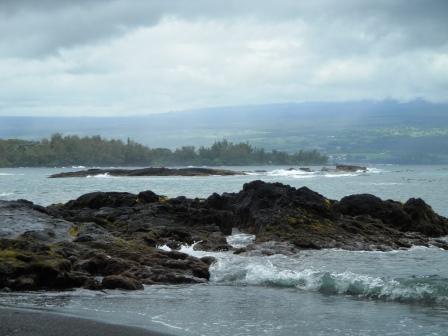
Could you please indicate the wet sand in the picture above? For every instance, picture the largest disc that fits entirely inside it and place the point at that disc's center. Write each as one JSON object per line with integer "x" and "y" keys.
{"x": 18, "y": 322}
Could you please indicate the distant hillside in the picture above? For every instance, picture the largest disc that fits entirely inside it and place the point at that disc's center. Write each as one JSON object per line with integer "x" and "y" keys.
{"x": 363, "y": 131}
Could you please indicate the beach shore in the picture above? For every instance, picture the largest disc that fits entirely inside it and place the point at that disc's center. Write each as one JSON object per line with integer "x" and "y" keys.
{"x": 18, "y": 322}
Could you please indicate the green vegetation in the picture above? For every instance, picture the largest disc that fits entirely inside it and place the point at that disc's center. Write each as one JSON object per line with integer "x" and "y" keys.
{"x": 95, "y": 151}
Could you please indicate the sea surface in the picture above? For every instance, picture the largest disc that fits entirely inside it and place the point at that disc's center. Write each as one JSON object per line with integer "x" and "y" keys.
{"x": 326, "y": 292}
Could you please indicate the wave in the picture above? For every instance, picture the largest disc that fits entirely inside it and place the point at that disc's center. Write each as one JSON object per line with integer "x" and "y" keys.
{"x": 105, "y": 175}
{"x": 296, "y": 272}
{"x": 164, "y": 247}
{"x": 5, "y": 194}
{"x": 342, "y": 174}
{"x": 382, "y": 183}
{"x": 300, "y": 174}
{"x": 290, "y": 172}
{"x": 429, "y": 290}
{"x": 375, "y": 170}
{"x": 238, "y": 240}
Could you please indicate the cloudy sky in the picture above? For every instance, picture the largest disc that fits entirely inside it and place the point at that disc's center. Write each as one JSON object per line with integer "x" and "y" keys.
{"x": 119, "y": 57}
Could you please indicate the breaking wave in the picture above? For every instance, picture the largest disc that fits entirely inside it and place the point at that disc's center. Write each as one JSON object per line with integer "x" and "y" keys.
{"x": 428, "y": 290}
{"x": 291, "y": 173}
{"x": 342, "y": 174}
{"x": 302, "y": 174}
{"x": 296, "y": 272}
{"x": 105, "y": 175}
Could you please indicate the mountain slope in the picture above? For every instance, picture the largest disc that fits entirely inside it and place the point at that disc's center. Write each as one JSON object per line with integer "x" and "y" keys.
{"x": 385, "y": 131}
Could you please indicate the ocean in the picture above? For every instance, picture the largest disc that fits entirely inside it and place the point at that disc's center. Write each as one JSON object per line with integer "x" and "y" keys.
{"x": 325, "y": 292}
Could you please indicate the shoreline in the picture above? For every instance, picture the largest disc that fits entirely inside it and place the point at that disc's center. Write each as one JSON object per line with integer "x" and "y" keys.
{"x": 27, "y": 322}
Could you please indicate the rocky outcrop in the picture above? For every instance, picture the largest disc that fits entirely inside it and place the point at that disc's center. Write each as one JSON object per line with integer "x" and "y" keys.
{"x": 308, "y": 220}
{"x": 344, "y": 168}
{"x": 150, "y": 172}
{"x": 114, "y": 239}
{"x": 23, "y": 217}
{"x": 121, "y": 282}
{"x": 350, "y": 168}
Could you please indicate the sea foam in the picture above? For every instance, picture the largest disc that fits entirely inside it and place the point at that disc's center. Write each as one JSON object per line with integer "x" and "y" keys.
{"x": 293, "y": 272}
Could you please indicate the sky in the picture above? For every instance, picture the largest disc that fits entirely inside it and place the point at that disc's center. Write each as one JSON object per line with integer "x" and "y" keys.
{"x": 137, "y": 57}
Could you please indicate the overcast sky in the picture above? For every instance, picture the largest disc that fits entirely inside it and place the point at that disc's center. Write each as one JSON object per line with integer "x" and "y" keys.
{"x": 101, "y": 57}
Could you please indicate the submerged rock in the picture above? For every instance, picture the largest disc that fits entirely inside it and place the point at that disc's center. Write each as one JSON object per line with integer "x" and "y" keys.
{"x": 111, "y": 240}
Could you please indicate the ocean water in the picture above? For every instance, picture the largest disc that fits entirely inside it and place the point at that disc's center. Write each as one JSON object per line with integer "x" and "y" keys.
{"x": 327, "y": 292}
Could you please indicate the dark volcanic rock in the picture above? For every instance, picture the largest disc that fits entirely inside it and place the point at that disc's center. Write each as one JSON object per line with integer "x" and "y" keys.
{"x": 150, "y": 172}
{"x": 350, "y": 168}
{"x": 277, "y": 212}
{"x": 121, "y": 282}
{"x": 17, "y": 217}
{"x": 97, "y": 200}
{"x": 388, "y": 212}
{"x": 413, "y": 216}
{"x": 148, "y": 197}
{"x": 424, "y": 219}
{"x": 343, "y": 168}
{"x": 117, "y": 235}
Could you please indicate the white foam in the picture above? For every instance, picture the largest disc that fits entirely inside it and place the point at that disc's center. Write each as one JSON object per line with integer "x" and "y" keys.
{"x": 444, "y": 238}
{"x": 341, "y": 174}
{"x": 297, "y": 173}
{"x": 375, "y": 170}
{"x": 238, "y": 240}
{"x": 164, "y": 248}
{"x": 382, "y": 183}
{"x": 265, "y": 273}
{"x": 105, "y": 175}
{"x": 285, "y": 271}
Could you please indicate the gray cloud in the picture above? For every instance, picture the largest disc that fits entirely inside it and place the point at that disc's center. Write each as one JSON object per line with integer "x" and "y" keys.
{"x": 135, "y": 56}
{"x": 32, "y": 28}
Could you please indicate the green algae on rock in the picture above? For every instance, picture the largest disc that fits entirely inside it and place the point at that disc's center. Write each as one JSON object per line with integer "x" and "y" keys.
{"x": 114, "y": 239}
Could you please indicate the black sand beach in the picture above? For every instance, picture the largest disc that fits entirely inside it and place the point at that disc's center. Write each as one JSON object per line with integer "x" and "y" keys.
{"x": 18, "y": 322}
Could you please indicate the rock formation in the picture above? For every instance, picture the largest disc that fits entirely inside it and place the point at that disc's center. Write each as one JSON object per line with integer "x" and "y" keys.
{"x": 112, "y": 239}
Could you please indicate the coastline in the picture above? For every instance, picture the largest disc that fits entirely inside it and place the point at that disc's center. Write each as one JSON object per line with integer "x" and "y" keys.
{"x": 23, "y": 322}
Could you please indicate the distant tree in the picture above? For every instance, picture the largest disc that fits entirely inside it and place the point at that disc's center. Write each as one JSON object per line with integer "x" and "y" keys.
{"x": 62, "y": 150}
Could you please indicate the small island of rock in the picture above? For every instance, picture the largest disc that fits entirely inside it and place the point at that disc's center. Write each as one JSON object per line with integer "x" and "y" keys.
{"x": 152, "y": 171}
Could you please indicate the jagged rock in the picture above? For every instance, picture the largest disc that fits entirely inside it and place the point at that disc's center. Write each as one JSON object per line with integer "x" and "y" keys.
{"x": 17, "y": 217}
{"x": 97, "y": 200}
{"x": 121, "y": 282}
{"x": 117, "y": 235}
{"x": 415, "y": 215}
{"x": 424, "y": 219}
{"x": 350, "y": 168}
{"x": 148, "y": 197}
{"x": 102, "y": 264}
{"x": 343, "y": 168}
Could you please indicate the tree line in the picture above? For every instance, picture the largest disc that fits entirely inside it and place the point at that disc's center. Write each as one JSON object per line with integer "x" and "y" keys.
{"x": 96, "y": 151}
